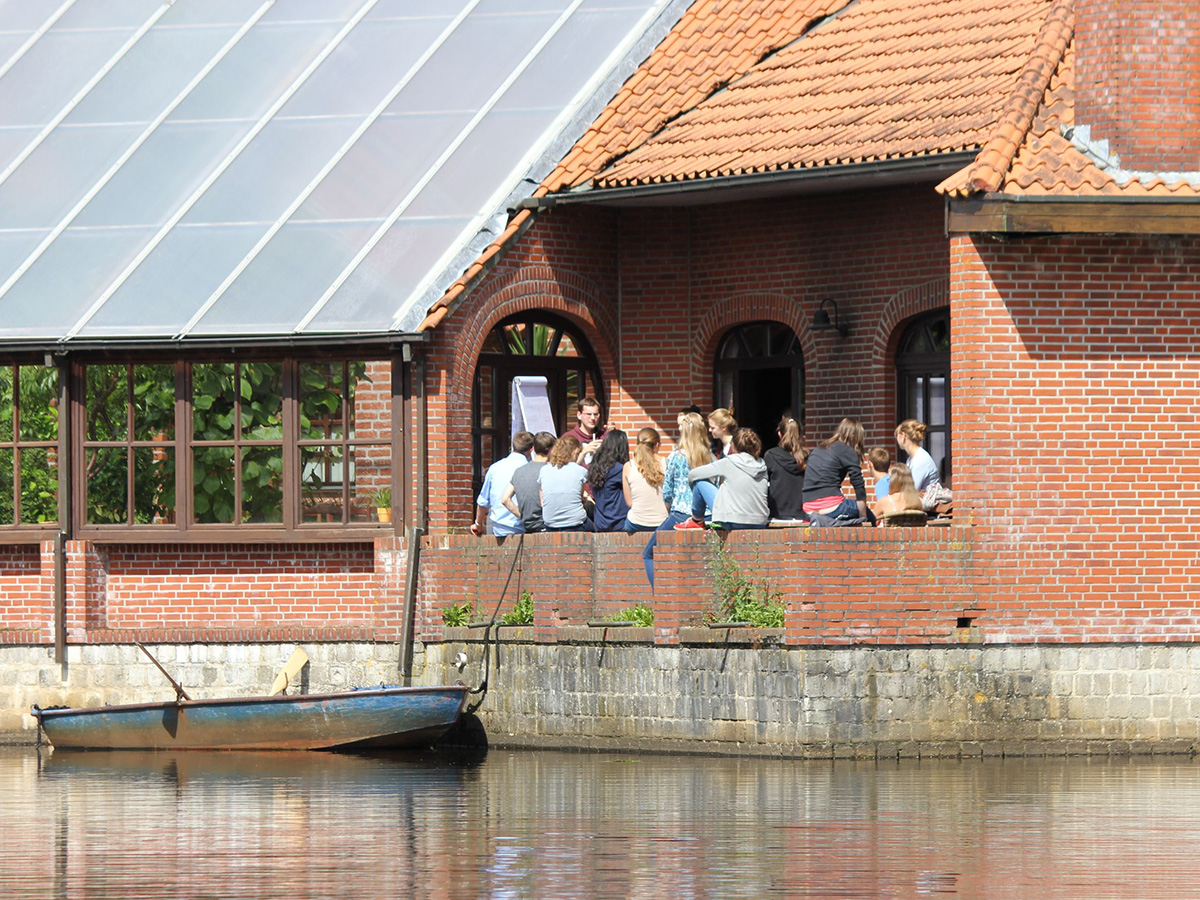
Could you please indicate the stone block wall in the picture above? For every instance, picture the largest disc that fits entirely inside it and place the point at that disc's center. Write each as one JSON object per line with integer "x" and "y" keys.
{"x": 833, "y": 702}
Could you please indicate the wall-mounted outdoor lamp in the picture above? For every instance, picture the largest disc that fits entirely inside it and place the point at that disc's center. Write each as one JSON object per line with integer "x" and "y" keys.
{"x": 828, "y": 317}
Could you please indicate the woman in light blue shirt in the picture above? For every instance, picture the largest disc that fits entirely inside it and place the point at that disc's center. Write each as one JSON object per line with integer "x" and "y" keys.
{"x": 561, "y": 482}
{"x": 909, "y": 435}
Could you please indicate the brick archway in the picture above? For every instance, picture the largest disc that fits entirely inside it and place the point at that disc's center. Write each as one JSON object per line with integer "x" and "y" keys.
{"x": 739, "y": 309}
{"x": 530, "y": 289}
{"x": 900, "y": 307}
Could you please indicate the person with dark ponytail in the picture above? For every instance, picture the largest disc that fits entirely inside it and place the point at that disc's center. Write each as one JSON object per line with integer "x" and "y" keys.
{"x": 785, "y": 471}
{"x": 605, "y": 478}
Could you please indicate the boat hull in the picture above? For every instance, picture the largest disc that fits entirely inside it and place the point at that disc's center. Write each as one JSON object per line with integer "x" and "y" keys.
{"x": 378, "y": 717}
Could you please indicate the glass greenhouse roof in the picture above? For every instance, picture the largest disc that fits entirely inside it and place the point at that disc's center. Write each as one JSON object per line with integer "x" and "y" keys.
{"x": 193, "y": 169}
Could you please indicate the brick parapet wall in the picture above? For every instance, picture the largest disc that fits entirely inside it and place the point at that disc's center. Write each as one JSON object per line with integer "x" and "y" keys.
{"x": 840, "y": 586}
{"x": 208, "y": 592}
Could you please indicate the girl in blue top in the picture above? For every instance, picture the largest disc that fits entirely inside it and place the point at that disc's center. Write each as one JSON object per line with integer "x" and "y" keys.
{"x": 605, "y": 477}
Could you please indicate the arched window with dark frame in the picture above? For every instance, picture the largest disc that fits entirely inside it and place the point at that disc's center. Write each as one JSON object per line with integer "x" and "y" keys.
{"x": 759, "y": 374}
{"x": 532, "y": 343}
{"x": 923, "y": 382}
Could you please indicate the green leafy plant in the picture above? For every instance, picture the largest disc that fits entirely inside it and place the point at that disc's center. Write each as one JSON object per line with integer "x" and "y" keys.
{"x": 522, "y": 612}
{"x": 458, "y": 615}
{"x": 740, "y": 598}
{"x": 642, "y": 615}
{"x": 383, "y": 498}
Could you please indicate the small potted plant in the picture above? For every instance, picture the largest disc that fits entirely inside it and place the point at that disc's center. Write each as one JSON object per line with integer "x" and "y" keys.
{"x": 383, "y": 504}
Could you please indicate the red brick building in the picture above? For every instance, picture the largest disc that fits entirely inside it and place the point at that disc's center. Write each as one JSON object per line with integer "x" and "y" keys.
{"x": 932, "y": 174}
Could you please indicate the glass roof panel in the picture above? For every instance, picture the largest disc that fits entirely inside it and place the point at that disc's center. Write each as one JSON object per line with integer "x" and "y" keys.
{"x": 180, "y": 274}
{"x": 361, "y": 70}
{"x": 391, "y": 271}
{"x": 53, "y": 70}
{"x": 286, "y": 279}
{"x": 58, "y": 288}
{"x": 224, "y": 173}
{"x": 495, "y": 44}
{"x": 58, "y": 173}
{"x": 382, "y": 167}
{"x": 570, "y": 58}
{"x": 163, "y": 173}
{"x": 271, "y": 171}
{"x": 312, "y": 10}
{"x": 492, "y": 149}
{"x": 10, "y": 43}
{"x": 15, "y": 247}
{"x": 108, "y": 14}
{"x": 257, "y": 71}
{"x": 26, "y": 15}
{"x": 151, "y": 74}
{"x": 211, "y": 12}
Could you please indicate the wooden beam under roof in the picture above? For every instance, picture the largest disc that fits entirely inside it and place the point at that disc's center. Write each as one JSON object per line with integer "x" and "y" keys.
{"x": 997, "y": 214}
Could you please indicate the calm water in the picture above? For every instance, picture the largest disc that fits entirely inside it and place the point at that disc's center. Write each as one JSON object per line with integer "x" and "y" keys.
{"x": 548, "y": 825}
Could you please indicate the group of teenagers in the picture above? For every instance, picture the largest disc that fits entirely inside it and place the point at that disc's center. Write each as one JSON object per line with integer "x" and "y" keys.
{"x": 716, "y": 477}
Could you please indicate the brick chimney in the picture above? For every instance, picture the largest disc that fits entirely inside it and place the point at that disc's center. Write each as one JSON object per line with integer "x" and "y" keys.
{"x": 1137, "y": 80}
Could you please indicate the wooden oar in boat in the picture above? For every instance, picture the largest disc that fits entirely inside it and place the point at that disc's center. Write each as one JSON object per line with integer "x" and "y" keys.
{"x": 290, "y": 670}
{"x": 179, "y": 691}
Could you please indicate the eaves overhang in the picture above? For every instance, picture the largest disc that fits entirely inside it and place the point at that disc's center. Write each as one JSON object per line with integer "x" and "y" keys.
{"x": 1015, "y": 215}
{"x": 759, "y": 185}
{"x": 229, "y": 344}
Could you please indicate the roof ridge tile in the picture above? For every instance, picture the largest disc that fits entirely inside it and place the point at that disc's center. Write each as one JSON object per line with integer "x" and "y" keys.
{"x": 987, "y": 172}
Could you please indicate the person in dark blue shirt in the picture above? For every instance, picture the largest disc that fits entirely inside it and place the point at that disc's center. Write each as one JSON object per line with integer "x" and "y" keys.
{"x": 604, "y": 478}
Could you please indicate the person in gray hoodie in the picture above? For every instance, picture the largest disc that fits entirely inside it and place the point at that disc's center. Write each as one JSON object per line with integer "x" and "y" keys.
{"x": 741, "y": 500}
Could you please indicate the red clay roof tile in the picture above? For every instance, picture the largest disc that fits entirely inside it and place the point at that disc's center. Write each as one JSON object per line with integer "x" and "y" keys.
{"x": 882, "y": 79}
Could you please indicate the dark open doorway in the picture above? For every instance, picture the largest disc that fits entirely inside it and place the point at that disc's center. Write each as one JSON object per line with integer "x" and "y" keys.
{"x": 760, "y": 375}
{"x": 761, "y": 398}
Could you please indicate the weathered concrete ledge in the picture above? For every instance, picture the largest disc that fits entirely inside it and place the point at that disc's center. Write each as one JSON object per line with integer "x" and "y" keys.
{"x": 706, "y": 695}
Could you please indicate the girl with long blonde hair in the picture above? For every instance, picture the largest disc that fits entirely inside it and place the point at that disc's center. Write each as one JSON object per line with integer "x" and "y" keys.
{"x": 642, "y": 481}
{"x": 903, "y": 495}
{"x": 691, "y": 450}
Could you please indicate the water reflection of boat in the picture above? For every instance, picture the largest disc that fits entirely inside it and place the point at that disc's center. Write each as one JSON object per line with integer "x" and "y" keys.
{"x": 350, "y": 720}
{"x": 227, "y": 767}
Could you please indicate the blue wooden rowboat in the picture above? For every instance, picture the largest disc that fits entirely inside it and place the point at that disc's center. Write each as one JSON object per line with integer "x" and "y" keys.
{"x": 348, "y": 720}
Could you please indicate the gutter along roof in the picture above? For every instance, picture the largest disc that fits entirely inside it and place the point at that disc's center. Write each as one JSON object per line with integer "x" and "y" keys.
{"x": 272, "y": 170}
{"x": 764, "y": 95}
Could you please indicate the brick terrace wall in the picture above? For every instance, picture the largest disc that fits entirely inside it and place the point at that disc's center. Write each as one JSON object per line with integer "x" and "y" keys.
{"x": 26, "y": 580}
{"x": 208, "y": 592}
{"x": 1076, "y": 428}
{"x": 840, "y": 586}
{"x": 654, "y": 290}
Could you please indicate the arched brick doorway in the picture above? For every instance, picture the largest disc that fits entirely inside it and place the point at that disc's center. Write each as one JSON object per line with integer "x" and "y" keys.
{"x": 759, "y": 373}
{"x": 528, "y": 343}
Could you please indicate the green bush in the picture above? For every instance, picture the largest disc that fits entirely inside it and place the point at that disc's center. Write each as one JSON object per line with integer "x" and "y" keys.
{"x": 642, "y": 615}
{"x": 522, "y": 613}
{"x": 458, "y": 614}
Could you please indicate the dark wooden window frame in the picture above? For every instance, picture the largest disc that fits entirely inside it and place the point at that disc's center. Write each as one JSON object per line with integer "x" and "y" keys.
{"x": 29, "y": 532}
{"x": 504, "y": 364}
{"x": 925, "y": 366}
{"x": 183, "y": 529}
